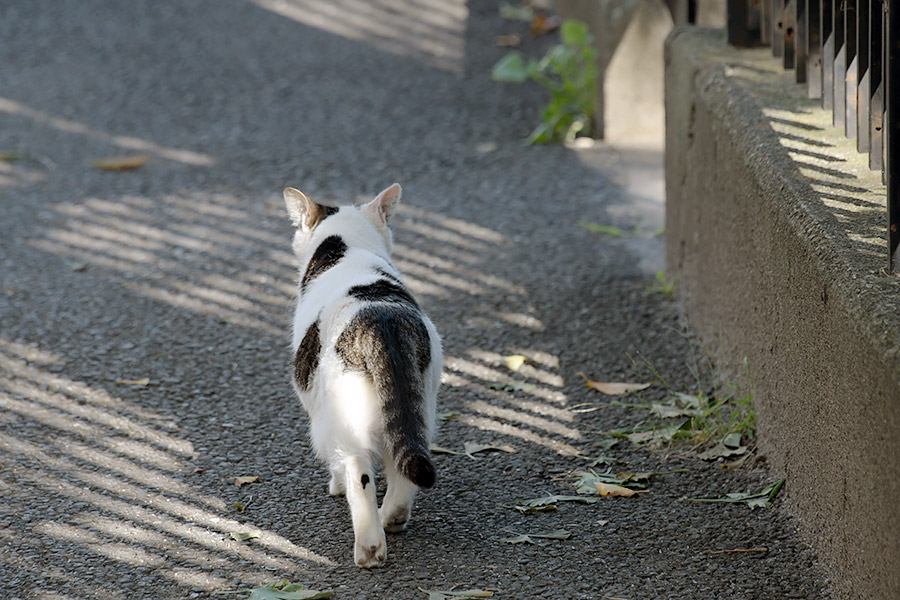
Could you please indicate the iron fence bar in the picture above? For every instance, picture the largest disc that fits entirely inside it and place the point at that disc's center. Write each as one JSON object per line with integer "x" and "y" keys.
{"x": 840, "y": 65}
{"x": 826, "y": 21}
{"x": 754, "y": 21}
{"x": 801, "y": 41}
{"x": 738, "y": 23}
{"x": 814, "y": 52}
{"x": 788, "y": 32}
{"x": 848, "y": 53}
{"x": 777, "y": 28}
{"x": 851, "y": 80}
{"x": 876, "y": 87}
{"x": 862, "y": 92}
{"x": 892, "y": 130}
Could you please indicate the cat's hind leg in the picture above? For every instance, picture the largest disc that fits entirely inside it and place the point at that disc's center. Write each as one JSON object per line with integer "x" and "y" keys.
{"x": 370, "y": 546}
{"x": 397, "y": 503}
{"x": 336, "y": 483}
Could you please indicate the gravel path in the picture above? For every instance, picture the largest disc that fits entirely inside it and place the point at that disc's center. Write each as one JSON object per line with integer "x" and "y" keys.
{"x": 180, "y": 272}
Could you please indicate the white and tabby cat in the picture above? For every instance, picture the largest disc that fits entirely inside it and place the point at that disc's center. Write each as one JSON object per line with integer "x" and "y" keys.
{"x": 367, "y": 363}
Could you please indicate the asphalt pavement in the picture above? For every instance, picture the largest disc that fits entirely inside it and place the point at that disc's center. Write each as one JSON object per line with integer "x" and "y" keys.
{"x": 145, "y": 314}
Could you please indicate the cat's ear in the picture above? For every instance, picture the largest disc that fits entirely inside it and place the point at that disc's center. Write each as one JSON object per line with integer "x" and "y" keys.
{"x": 382, "y": 207}
{"x": 302, "y": 211}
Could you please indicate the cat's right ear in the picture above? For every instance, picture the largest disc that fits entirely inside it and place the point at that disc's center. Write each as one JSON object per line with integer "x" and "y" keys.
{"x": 304, "y": 213}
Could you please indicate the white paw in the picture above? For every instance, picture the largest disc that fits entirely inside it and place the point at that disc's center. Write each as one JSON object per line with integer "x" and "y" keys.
{"x": 370, "y": 550}
{"x": 336, "y": 486}
{"x": 395, "y": 521}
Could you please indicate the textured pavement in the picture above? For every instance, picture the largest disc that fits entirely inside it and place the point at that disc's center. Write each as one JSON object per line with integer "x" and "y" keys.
{"x": 180, "y": 272}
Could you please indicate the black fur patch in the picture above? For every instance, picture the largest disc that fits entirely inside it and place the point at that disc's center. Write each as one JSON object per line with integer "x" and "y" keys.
{"x": 328, "y": 254}
{"x": 387, "y": 275}
{"x": 383, "y": 291}
{"x": 364, "y": 480}
{"x": 327, "y": 211}
{"x": 390, "y": 344}
{"x": 306, "y": 360}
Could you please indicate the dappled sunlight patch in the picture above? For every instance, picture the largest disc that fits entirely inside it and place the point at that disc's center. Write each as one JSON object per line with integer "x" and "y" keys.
{"x": 428, "y": 30}
{"x": 12, "y": 107}
{"x": 125, "y": 475}
{"x": 180, "y": 250}
{"x": 505, "y": 428}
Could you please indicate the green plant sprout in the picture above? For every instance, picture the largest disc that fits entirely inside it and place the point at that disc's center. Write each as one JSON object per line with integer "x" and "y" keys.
{"x": 568, "y": 72}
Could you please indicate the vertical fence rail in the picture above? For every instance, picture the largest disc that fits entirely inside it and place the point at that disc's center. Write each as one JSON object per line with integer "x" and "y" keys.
{"x": 847, "y": 52}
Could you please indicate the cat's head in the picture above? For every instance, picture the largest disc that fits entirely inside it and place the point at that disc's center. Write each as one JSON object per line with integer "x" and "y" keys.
{"x": 363, "y": 224}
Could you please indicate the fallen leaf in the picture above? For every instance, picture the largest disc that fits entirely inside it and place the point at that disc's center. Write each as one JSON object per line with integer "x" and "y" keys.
{"x": 247, "y": 479}
{"x": 143, "y": 381}
{"x": 457, "y": 594}
{"x": 612, "y": 388}
{"x": 606, "y": 443}
{"x": 441, "y": 450}
{"x": 285, "y": 590}
{"x": 530, "y": 509}
{"x": 243, "y": 535}
{"x": 668, "y": 411}
{"x": 658, "y": 434}
{"x": 513, "y": 40}
{"x": 543, "y": 24}
{"x": 600, "y": 228}
{"x": 121, "y": 163}
{"x": 239, "y": 507}
{"x": 612, "y": 490}
{"x": 761, "y": 499}
{"x": 199, "y": 470}
{"x": 722, "y": 450}
{"x": 550, "y": 502}
{"x": 528, "y": 538}
{"x": 514, "y": 361}
{"x": 471, "y": 448}
{"x": 445, "y": 416}
{"x": 601, "y": 461}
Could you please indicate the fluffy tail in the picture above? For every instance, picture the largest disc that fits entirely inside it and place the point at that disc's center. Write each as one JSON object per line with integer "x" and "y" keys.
{"x": 392, "y": 345}
{"x": 402, "y": 394}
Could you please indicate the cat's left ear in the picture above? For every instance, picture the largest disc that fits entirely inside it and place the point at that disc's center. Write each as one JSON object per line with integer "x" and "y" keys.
{"x": 302, "y": 211}
{"x": 382, "y": 207}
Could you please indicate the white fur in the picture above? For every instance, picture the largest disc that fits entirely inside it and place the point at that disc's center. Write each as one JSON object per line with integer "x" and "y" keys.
{"x": 346, "y": 423}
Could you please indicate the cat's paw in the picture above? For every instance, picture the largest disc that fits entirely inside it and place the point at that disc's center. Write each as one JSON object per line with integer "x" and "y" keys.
{"x": 370, "y": 551}
{"x": 396, "y": 521}
{"x": 336, "y": 486}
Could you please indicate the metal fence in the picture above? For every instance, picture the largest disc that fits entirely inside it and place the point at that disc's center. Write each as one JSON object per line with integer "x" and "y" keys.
{"x": 847, "y": 52}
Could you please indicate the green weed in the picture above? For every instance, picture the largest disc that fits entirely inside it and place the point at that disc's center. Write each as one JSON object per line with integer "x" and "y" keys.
{"x": 569, "y": 73}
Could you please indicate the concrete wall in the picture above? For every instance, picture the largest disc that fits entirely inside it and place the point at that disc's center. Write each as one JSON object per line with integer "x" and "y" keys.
{"x": 775, "y": 241}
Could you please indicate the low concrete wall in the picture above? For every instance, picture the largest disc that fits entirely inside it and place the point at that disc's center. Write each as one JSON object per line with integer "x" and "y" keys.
{"x": 775, "y": 239}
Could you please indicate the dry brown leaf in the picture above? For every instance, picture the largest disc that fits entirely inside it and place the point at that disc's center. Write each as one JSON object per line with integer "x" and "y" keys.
{"x": 543, "y": 24}
{"x": 513, "y": 40}
{"x": 142, "y": 382}
{"x": 239, "y": 481}
{"x": 121, "y": 163}
{"x": 613, "y": 388}
{"x": 612, "y": 490}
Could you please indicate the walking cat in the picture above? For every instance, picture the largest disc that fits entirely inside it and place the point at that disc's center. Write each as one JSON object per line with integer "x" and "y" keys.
{"x": 367, "y": 363}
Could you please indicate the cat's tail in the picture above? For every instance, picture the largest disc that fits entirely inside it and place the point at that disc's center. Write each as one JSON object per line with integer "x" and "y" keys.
{"x": 413, "y": 460}
{"x": 393, "y": 346}
{"x": 405, "y": 432}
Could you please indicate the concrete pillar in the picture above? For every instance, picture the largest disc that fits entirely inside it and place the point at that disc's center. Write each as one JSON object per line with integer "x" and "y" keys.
{"x": 629, "y": 36}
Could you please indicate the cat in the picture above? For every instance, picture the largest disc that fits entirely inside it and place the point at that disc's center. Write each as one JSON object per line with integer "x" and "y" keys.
{"x": 367, "y": 363}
